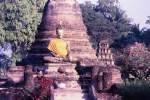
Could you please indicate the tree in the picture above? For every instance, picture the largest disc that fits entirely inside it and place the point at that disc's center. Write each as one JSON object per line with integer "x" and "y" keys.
{"x": 146, "y": 37}
{"x": 148, "y": 20}
{"x": 135, "y": 61}
{"x": 135, "y": 34}
{"x": 5, "y": 63}
{"x": 139, "y": 55}
{"x": 18, "y": 25}
{"x": 104, "y": 21}
{"x": 114, "y": 15}
{"x": 106, "y": 7}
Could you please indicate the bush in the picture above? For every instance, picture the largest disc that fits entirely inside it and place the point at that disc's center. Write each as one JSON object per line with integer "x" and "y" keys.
{"x": 133, "y": 91}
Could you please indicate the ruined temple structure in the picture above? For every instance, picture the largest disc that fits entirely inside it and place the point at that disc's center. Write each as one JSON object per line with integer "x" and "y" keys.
{"x": 105, "y": 54}
{"x": 78, "y": 75}
{"x": 106, "y": 73}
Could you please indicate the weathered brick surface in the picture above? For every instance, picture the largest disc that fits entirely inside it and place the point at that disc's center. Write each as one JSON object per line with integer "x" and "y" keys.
{"x": 69, "y": 95}
{"x": 109, "y": 77}
{"x": 107, "y": 96}
{"x": 68, "y": 67}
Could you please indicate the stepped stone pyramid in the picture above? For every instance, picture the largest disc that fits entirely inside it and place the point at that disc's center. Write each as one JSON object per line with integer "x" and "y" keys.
{"x": 67, "y": 11}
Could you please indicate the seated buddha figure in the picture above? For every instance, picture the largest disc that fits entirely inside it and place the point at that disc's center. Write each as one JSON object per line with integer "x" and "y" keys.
{"x": 58, "y": 48}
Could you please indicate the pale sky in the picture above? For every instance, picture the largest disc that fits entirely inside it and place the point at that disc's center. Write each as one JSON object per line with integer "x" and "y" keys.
{"x": 138, "y": 10}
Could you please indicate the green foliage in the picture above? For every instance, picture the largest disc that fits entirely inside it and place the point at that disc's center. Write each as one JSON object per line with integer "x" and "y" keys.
{"x": 104, "y": 21}
{"x": 148, "y": 20}
{"x": 135, "y": 62}
{"x": 146, "y": 37}
{"x": 40, "y": 5}
{"x": 133, "y": 91}
{"x": 19, "y": 20}
{"x": 5, "y": 63}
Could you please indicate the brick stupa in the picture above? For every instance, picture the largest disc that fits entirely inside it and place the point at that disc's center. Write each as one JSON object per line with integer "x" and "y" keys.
{"x": 77, "y": 83}
{"x": 67, "y": 11}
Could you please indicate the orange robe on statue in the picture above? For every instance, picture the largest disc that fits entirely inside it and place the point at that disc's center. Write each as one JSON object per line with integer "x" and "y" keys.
{"x": 58, "y": 47}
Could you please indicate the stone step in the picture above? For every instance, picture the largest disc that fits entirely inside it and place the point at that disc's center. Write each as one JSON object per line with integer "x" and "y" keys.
{"x": 63, "y": 64}
{"x": 82, "y": 47}
{"x": 73, "y": 54}
{"x": 69, "y": 12}
{"x": 67, "y": 39}
{"x": 75, "y": 43}
{"x": 75, "y": 47}
{"x": 78, "y": 90}
{"x": 83, "y": 55}
{"x": 108, "y": 96}
{"x": 73, "y": 50}
{"x": 49, "y": 37}
{"x": 69, "y": 68}
{"x": 66, "y": 94}
{"x": 52, "y": 34}
{"x": 2, "y": 82}
{"x": 48, "y": 24}
{"x": 67, "y": 2}
{"x": 66, "y": 78}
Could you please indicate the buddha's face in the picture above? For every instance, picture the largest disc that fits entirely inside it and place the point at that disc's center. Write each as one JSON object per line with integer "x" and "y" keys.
{"x": 60, "y": 33}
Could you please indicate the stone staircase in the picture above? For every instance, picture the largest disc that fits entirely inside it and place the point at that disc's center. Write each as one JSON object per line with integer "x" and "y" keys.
{"x": 77, "y": 86}
{"x": 85, "y": 81}
{"x": 65, "y": 94}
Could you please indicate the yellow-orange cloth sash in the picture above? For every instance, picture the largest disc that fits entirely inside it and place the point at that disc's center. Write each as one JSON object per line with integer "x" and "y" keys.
{"x": 58, "y": 46}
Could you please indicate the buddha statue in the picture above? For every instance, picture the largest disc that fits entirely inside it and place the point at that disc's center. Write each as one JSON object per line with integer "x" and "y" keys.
{"x": 58, "y": 48}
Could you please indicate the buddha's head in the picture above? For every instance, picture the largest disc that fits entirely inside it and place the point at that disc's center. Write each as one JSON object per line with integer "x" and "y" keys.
{"x": 59, "y": 30}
